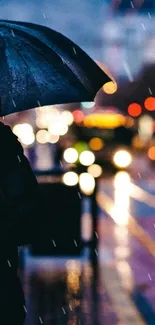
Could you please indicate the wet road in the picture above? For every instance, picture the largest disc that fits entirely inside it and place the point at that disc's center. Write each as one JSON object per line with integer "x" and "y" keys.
{"x": 120, "y": 288}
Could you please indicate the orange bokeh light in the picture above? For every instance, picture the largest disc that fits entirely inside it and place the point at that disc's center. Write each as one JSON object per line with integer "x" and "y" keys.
{"x": 134, "y": 109}
{"x": 150, "y": 103}
{"x": 151, "y": 153}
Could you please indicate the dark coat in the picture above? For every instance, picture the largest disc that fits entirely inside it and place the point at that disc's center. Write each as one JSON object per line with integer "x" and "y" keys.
{"x": 19, "y": 206}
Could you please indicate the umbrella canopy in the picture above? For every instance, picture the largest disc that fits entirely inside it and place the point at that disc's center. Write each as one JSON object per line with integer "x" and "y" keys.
{"x": 39, "y": 66}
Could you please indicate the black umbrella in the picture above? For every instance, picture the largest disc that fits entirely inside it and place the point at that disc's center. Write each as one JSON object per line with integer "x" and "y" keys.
{"x": 39, "y": 66}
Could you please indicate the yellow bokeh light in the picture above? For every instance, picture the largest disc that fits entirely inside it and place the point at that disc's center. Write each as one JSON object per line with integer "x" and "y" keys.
{"x": 95, "y": 170}
{"x": 87, "y": 158}
{"x": 42, "y": 136}
{"x": 104, "y": 120}
{"x": 70, "y": 155}
{"x": 110, "y": 87}
{"x": 70, "y": 178}
{"x": 87, "y": 183}
{"x": 96, "y": 144}
{"x": 122, "y": 159}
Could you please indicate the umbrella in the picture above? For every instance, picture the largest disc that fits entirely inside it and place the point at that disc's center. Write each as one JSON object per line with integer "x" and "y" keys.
{"x": 39, "y": 67}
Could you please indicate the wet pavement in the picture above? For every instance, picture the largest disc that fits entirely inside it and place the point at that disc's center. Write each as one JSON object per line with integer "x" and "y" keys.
{"x": 119, "y": 287}
{"x": 66, "y": 291}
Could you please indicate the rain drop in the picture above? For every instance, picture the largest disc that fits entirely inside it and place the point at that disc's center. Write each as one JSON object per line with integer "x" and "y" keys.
{"x": 96, "y": 234}
{"x": 96, "y": 252}
{"x": 18, "y": 158}
{"x": 14, "y": 104}
{"x": 127, "y": 70}
{"x": 143, "y": 26}
{"x": 25, "y": 308}
{"x": 70, "y": 307}
{"x": 132, "y": 5}
{"x": 54, "y": 243}
{"x": 63, "y": 310}
{"x": 12, "y": 32}
{"x": 9, "y": 263}
{"x": 75, "y": 242}
{"x": 74, "y": 50}
{"x": 150, "y": 91}
{"x": 38, "y": 102}
{"x": 79, "y": 195}
{"x": 41, "y": 321}
{"x": 139, "y": 175}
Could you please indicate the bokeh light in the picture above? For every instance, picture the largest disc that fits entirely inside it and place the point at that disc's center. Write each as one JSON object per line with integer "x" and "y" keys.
{"x": 134, "y": 109}
{"x": 96, "y": 144}
{"x": 73, "y": 266}
{"x": 70, "y": 155}
{"x": 106, "y": 120}
{"x": 122, "y": 158}
{"x": 42, "y": 136}
{"x": 87, "y": 158}
{"x": 41, "y": 122}
{"x": 95, "y": 170}
{"x": 78, "y": 116}
{"x": 149, "y": 103}
{"x": 88, "y": 104}
{"x": 129, "y": 122}
{"x": 53, "y": 138}
{"x": 25, "y": 133}
{"x": 58, "y": 127}
{"x": 70, "y": 178}
{"x": 120, "y": 209}
{"x": 151, "y": 153}
{"x": 138, "y": 143}
{"x": 110, "y": 87}
{"x": 145, "y": 127}
{"x": 87, "y": 183}
{"x": 81, "y": 146}
{"x": 121, "y": 179}
{"x": 67, "y": 117}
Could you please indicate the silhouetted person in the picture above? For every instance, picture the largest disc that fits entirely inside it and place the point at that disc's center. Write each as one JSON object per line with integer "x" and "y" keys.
{"x": 18, "y": 222}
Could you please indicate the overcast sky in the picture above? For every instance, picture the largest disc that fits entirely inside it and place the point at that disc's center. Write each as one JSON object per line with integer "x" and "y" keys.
{"x": 80, "y": 20}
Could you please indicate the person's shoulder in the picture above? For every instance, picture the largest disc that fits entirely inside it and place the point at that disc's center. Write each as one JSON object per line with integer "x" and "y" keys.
{"x": 9, "y": 139}
{"x": 6, "y": 130}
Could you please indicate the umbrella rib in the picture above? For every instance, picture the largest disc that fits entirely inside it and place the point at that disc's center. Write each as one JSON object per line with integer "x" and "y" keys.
{"x": 56, "y": 50}
{"x": 37, "y": 50}
{"x": 20, "y": 54}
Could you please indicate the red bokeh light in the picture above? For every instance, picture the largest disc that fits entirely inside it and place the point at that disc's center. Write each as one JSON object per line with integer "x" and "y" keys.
{"x": 150, "y": 103}
{"x": 78, "y": 116}
{"x": 134, "y": 109}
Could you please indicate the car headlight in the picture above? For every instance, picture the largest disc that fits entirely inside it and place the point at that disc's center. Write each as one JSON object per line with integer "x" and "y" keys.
{"x": 122, "y": 159}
